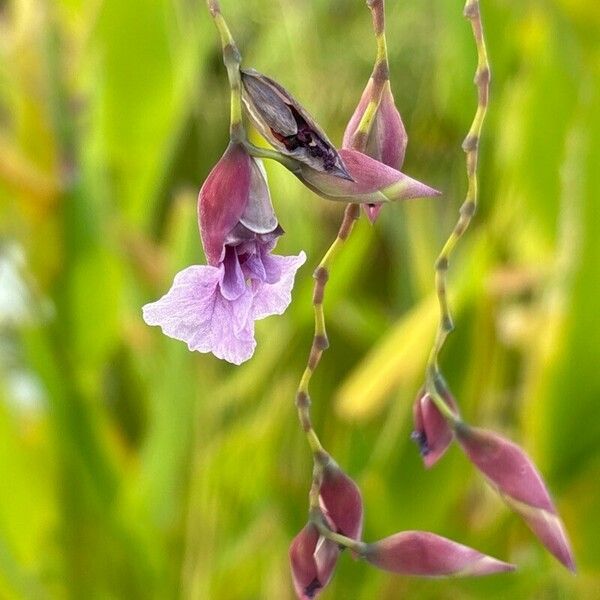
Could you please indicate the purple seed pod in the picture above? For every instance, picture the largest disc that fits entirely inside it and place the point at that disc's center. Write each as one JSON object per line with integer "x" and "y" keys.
{"x": 213, "y": 307}
{"x": 428, "y": 555}
{"x": 432, "y": 431}
{"x": 372, "y": 182}
{"x": 287, "y": 126}
{"x": 312, "y": 561}
{"x": 342, "y": 501}
{"x": 513, "y": 474}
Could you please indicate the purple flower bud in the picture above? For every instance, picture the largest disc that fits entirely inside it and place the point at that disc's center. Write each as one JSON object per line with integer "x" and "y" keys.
{"x": 386, "y": 140}
{"x": 373, "y": 182}
{"x": 342, "y": 501}
{"x": 312, "y": 561}
{"x": 287, "y": 126}
{"x": 213, "y": 308}
{"x": 514, "y": 475}
{"x": 432, "y": 431}
{"x": 429, "y": 555}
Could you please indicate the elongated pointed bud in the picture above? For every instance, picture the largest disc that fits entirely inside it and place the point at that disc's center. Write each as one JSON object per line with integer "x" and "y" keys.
{"x": 342, "y": 501}
{"x": 429, "y": 555}
{"x": 373, "y": 182}
{"x": 513, "y": 474}
{"x": 312, "y": 561}
{"x": 287, "y": 126}
{"x": 432, "y": 431}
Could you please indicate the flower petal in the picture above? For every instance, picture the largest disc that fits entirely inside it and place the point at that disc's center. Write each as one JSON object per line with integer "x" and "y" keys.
{"x": 274, "y": 298}
{"x": 195, "y": 311}
{"x": 429, "y": 555}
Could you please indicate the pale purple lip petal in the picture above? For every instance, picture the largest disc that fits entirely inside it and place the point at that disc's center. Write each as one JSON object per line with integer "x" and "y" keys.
{"x": 429, "y": 555}
{"x": 274, "y": 298}
{"x": 195, "y": 311}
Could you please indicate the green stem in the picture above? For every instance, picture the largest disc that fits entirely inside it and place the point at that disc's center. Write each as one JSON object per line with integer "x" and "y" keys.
{"x": 467, "y": 210}
{"x": 232, "y": 60}
{"x": 321, "y": 275}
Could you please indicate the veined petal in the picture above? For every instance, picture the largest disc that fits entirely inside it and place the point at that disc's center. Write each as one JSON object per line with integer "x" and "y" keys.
{"x": 195, "y": 311}
{"x": 274, "y": 298}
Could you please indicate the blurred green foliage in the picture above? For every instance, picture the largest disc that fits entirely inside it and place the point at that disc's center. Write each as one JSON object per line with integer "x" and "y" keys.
{"x": 131, "y": 468}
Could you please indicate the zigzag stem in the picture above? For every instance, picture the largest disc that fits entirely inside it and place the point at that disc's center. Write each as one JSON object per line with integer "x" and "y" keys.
{"x": 434, "y": 381}
{"x": 380, "y": 77}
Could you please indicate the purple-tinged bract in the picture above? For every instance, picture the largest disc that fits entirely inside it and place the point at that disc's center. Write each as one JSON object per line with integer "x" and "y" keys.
{"x": 428, "y": 555}
{"x": 342, "y": 501}
{"x": 432, "y": 431}
{"x": 312, "y": 561}
{"x": 513, "y": 474}
{"x": 372, "y": 182}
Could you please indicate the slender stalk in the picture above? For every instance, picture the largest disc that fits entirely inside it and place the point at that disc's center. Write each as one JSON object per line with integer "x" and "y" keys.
{"x": 321, "y": 275}
{"x": 232, "y": 60}
{"x": 434, "y": 381}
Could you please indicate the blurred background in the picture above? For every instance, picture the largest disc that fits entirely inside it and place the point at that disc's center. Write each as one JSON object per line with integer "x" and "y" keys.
{"x": 132, "y": 468}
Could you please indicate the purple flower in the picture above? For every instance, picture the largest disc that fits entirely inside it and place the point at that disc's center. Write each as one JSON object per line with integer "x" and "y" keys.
{"x": 429, "y": 555}
{"x": 213, "y": 307}
{"x": 513, "y": 474}
{"x": 312, "y": 561}
{"x": 432, "y": 431}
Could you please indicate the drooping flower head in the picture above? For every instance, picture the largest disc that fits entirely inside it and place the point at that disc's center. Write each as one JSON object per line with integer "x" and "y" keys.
{"x": 213, "y": 307}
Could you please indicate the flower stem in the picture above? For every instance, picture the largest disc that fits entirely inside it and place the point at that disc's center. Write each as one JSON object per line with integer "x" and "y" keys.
{"x": 318, "y": 519}
{"x": 321, "y": 274}
{"x": 467, "y": 210}
{"x": 232, "y": 60}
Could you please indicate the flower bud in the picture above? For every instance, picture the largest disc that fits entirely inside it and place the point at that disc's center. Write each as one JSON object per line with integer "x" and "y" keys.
{"x": 373, "y": 182}
{"x": 429, "y": 555}
{"x": 513, "y": 474}
{"x": 287, "y": 126}
{"x": 387, "y": 139}
{"x": 342, "y": 501}
{"x": 432, "y": 431}
{"x": 312, "y": 561}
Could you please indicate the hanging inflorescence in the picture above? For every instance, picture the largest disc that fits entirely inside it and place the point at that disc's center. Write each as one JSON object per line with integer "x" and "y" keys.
{"x": 213, "y": 307}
